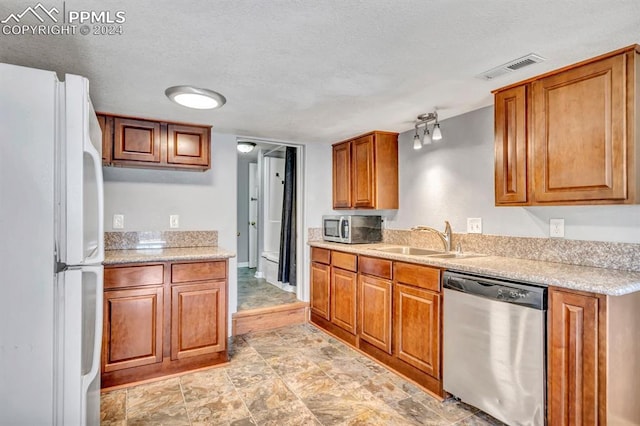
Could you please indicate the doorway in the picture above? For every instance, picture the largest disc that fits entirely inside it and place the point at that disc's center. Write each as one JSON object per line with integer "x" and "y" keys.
{"x": 269, "y": 187}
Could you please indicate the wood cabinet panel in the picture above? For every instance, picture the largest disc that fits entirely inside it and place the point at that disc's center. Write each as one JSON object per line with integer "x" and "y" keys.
{"x": 576, "y": 381}
{"x": 417, "y": 328}
{"x": 377, "y": 267}
{"x": 188, "y": 145}
{"x": 133, "y": 276}
{"x": 364, "y": 179}
{"x": 132, "y": 331}
{"x": 198, "y": 319}
{"x": 320, "y": 289}
{"x": 417, "y": 275}
{"x": 365, "y": 172}
{"x": 320, "y": 255}
{"x": 342, "y": 176}
{"x": 375, "y": 297}
{"x": 106, "y": 127}
{"x": 343, "y": 298}
{"x": 511, "y": 146}
{"x": 198, "y": 271}
{"x": 136, "y": 140}
{"x": 346, "y": 261}
{"x": 581, "y": 110}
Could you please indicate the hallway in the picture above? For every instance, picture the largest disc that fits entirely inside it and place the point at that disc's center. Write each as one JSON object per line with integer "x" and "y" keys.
{"x": 256, "y": 293}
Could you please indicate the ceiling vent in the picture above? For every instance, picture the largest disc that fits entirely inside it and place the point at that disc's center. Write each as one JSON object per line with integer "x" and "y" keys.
{"x": 511, "y": 66}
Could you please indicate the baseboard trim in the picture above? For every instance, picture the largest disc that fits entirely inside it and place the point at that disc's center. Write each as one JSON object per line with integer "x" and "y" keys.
{"x": 261, "y": 319}
{"x": 243, "y": 264}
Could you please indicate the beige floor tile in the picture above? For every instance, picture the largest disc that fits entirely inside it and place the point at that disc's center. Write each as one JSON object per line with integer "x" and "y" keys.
{"x": 385, "y": 389}
{"x": 250, "y": 374}
{"x": 294, "y": 413}
{"x": 113, "y": 406}
{"x": 267, "y": 395}
{"x": 205, "y": 384}
{"x": 154, "y": 397}
{"x": 221, "y": 409}
{"x": 450, "y": 409}
{"x": 412, "y": 410}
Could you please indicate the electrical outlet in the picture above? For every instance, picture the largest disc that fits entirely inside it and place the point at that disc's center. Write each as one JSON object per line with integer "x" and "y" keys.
{"x": 118, "y": 221}
{"x": 556, "y": 228}
{"x": 174, "y": 221}
{"x": 474, "y": 225}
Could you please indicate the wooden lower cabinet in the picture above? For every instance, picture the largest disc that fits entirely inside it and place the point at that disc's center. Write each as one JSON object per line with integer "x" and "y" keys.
{"x": 197, "y": 320}
{"x": 154, "y": 327}
{"x": 132, "y": 331}
{"x": 389, "y": 310}
{"x": 575, "y": 379}
{"x": 320, "y": 289}
{"x": 375, "y": 307}
{"x": 417, "y": 328}
{"x": 344, "y": 299}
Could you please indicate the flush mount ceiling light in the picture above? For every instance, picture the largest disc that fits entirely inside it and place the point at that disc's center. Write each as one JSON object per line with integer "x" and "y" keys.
{"x": 427, "y": 138}
{"x": 194, "y": 97}
{"x": 245, "y": 146}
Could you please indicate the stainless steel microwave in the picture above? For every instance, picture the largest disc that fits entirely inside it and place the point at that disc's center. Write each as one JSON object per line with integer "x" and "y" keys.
{"x": 355, "y": 229}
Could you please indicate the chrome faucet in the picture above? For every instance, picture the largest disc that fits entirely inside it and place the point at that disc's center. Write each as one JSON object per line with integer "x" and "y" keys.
{"x": 445, "y": 236}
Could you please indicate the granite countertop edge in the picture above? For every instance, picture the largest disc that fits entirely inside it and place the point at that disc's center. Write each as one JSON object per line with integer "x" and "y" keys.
{"x": 611, "y": 282}
{"x": 142, "y": 255}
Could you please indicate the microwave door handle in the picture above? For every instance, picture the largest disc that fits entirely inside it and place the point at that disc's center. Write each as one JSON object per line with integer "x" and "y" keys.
{"x": 341, "y": 227}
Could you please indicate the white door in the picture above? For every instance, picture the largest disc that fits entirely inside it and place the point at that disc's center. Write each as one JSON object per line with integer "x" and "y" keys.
{"x": 81, "y": 217}
{"x": 253, "y": 215}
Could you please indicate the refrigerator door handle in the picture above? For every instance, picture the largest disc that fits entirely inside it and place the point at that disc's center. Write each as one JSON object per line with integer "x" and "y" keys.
{"x": 98, "y": 254}
{"x": 97, "y": 346}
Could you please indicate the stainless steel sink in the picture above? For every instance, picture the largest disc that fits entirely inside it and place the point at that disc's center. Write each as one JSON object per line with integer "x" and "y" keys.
{"x": 455, "y": 255}
{"x": 410, "y": 250}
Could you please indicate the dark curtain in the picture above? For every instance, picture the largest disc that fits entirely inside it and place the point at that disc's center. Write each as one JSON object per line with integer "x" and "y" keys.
{"x": 287, "y": 264}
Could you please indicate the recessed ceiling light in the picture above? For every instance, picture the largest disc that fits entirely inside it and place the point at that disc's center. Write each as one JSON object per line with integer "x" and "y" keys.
{"x": 245, "y": 146}
{"x": 194, "y": 97}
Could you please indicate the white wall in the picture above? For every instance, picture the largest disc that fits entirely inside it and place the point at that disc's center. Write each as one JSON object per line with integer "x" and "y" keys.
{"x": 204, "y": 200}
{"x": 453, "y": 180}
{"x": 243, "y": 207}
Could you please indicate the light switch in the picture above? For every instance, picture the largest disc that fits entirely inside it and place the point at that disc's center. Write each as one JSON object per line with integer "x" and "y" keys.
{"x": 118, "y": 221}
{"x": 174, "y": 221}
{"x": 474, "y": 225}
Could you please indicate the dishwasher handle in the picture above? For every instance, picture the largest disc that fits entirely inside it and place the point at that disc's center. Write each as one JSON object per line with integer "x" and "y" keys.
{"x": 501, "y": 291}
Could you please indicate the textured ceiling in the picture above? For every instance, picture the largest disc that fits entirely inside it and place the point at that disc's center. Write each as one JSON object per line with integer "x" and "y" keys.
{"x": 320, "y": 70}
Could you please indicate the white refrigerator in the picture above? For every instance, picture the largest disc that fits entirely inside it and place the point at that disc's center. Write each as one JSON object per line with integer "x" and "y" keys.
{"x": 51, "y": 250}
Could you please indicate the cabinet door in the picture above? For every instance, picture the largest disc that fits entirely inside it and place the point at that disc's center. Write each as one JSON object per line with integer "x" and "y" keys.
{"x": 136, "y": 140}
{"x": 106, "y": 126}
{"x": 417, "y": 328}
{"x": 342, "y": 176}
{"x": 580, "y": 134}
{"x": 364, "y": 179}
{"x": 511, "y": 146}
{"x": 573, "y": 364}
{"x": 320, "y": 279}
{"x": 343, "y": 299}
{"x": 132, "y": 333}
{"x": 188, "y": 145}
{"x": 375, "y": 311}
{"x": 198, "y": 319}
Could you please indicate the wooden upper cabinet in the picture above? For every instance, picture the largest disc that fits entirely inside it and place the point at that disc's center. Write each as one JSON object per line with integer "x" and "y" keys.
{"x": 188, "y": 145}
{"x": 136, "y": 140}
{"x": 511, "y": 146}
{"x": 576, "y": 382}
{"x": 365, "y": 172}
{"x": 569, "y": 136}
{"x": 342, "y": 176}
{"x": 580, "y": 137}
{"x": 142, "y": 143}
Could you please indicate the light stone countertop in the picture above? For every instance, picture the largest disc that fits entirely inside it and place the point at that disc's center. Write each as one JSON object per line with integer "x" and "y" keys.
{"x": 113, "y": 257}
{"x": 612, "y": 282}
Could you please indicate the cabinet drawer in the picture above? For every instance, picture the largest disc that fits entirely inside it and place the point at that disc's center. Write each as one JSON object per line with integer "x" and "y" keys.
{"x": 419, "y": 276}
{"x": 133, "y": 276}
{"x": 320, "y": 255}
{"x": 199, "y": 271}
{"x": 377, "y": 267}
{"x": 344, "y": 261}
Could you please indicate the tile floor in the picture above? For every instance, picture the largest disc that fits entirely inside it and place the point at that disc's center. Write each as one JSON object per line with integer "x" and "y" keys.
{"x": 295, "y": 375}
{"x": 258, "y": 293}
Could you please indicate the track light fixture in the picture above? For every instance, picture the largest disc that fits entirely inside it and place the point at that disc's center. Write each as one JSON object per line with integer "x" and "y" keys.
{"x": 427, "y": 137}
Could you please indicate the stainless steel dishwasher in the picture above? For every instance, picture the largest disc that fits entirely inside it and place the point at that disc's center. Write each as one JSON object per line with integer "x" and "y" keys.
{"x": 494, "y": 346}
